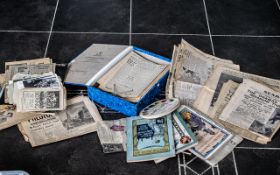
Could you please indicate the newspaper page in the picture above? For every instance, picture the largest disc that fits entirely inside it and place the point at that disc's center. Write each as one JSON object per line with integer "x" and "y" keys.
{"x": 112, "y": 135}
{"x": 186, "y": 92}
{"x": 89, "y": 62}
{"x": 211, "y": 137}
{"x": 210, "y": 92}
{"x": 226, "y": 93}
{"x": 43, "y": 93}
{"x": 195, "y": 67}
{"x": 191, "y": 67}
{"x": 27, "y": 62}
{"x": 131, "y": 76}
{"x": 80, "y": 117}
{"x": 224, "y": 151}
{"x": 29, "y": 69}
{"x": 9, "y": 117}
{"x": 254, "y": 107}
{"x": 227, "y": 90}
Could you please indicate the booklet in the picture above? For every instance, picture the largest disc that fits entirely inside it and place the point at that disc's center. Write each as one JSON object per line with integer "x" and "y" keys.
{"x": 183, "y": 136}
{"x": 149, "y": 139}
{"x": 211, "y": 137}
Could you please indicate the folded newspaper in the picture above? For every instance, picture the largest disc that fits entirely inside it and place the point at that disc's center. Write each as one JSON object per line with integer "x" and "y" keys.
{"x": 9, "y": 116}
{"x": 210, "y": 92}
{"x": 25, "y": 68}
{"x": 33, "y": 66}
{"x": 255, "y": 108}
{"x": 190, "y": 70}
{"x": 112, "y": 135}
{"x": 80, "y": 117}
{"x": 43, "y": 92}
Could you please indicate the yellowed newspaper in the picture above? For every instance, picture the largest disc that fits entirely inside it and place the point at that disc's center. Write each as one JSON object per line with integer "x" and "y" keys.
{"x": 132, "y": 76}
{"x": 190, "y": 70}
{"x": 210, "y": 92}
{"x": 9, "y": 116}
{"x": 39, "y": 93}
{"x": 255, "y": 108}
{"x": 226, "y": 93}
{"x": 80, "y": 117}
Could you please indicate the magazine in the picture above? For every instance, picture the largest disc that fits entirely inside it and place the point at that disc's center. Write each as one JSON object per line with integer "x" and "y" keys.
{"x": 149, "y": 139}
{"x": 211, "y": 137}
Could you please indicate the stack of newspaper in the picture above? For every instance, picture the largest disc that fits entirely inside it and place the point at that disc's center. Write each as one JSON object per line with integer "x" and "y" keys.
{"x": 34, "y": 86}
{"x": 245, "y": 104}
{"x": 38, "y": 104}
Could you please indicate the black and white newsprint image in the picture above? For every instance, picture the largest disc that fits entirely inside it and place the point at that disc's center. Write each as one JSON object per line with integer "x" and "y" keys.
{"x": 80, "y": 117}
{"x": 41, "y": 82}
{"x": 76, "y": 115}
{"x": 47, "y": 99}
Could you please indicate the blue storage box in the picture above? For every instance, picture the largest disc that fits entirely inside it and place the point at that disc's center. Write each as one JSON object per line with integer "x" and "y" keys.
{"x": 115, "y": 102}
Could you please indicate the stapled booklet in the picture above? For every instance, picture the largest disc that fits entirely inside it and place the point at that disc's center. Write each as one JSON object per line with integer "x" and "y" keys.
{"x": 149, "y": 139}
{"x": 210, "y": 136}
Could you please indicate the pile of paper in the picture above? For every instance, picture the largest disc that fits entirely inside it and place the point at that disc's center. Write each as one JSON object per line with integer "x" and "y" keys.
{"x": 38, "y": 104}
{"x": 220, "y": 105}
{"x": 246, "y": 104}
{"x": 133, "y": 76}
{"x": 159, "y": 139}
{"x": 79, "y": 118}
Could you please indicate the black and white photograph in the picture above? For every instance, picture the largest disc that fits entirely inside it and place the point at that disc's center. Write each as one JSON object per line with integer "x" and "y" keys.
{"x": 41, "y": 82}
{"x": 5, "y": 115}
{"x": 47, "y": 99}
{"x": 260, "y": 128}
{"x": 76, "y": 115}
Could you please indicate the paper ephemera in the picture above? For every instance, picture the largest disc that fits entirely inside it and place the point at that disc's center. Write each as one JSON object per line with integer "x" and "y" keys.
{"x": 149, "y": 139}
{"x": 191, "y": 68}
{"x": 254, "y": 107}
{"x": 39, "y": 93}
{"x": 9, "y": 117}
{"x": 132, "y": 77}
{"x": 112, "y": 135}
{"x": 183, "y": 136}
{"x": 79, "y": 118}
{"x": 211, "y": 137}
{"x": 209, "y": 94}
